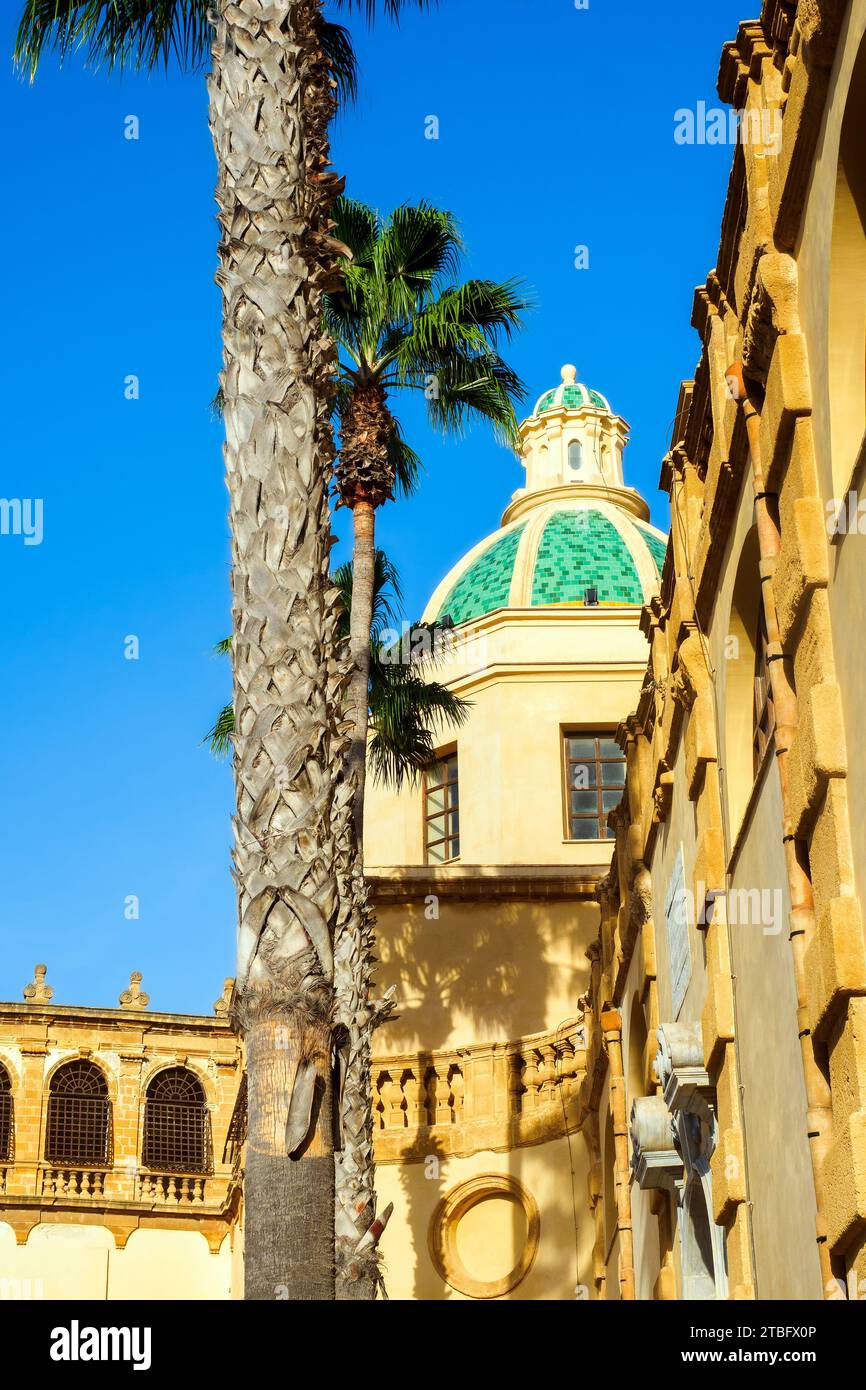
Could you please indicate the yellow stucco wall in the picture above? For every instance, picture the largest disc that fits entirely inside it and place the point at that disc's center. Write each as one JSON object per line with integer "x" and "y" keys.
{"x": 81, "y": 1262}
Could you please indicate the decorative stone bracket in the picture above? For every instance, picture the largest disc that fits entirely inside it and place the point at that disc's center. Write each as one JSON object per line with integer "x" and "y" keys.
{"x": 673, "y": 1138}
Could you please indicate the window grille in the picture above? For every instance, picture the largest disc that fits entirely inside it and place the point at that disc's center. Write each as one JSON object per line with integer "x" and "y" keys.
{"x": 594, "y": 782}
{"x": 764, "y": 712}
{"x": 7, "y": 1123}
{"x": 442, "y": 811}
{"x": 176, "y": 1124}
{"x": 237, "y": 1131}
{"x": 78, "y": 1132}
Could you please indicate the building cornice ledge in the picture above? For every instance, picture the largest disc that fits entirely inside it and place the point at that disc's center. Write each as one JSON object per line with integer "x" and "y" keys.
{"x": 473, "y": 882}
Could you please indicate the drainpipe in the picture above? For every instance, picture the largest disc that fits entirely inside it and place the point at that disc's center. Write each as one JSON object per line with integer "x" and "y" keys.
{"x": 611, "y": 1022}
{"x": 802, "y": 919}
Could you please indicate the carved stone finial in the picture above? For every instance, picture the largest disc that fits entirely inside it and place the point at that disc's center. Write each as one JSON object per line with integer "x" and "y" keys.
{"x": 134, "y": 997}
{"x": 222, "y": 1005}
{"x": 568, "y": 374}
{"x": 38, "y": 992}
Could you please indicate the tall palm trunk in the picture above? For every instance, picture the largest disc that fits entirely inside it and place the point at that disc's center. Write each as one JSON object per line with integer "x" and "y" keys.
{"x": 361, "y": 618}
{"x": 270, "y": 102}
{"x": 365, "y": 480}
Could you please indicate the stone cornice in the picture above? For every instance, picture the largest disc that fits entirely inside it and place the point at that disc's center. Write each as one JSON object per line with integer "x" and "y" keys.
{"x": 485, "y": 882}
{"x": 626, "y": 498}
{"x": 118, "y": 1020}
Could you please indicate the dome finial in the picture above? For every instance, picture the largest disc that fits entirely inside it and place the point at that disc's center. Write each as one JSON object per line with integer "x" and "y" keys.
{"x": 569, "y": 374}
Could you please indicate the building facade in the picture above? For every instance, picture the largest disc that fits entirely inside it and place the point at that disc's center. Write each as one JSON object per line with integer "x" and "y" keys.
{"x": 622, "y": 913}
{"x": 726, "y": 1050}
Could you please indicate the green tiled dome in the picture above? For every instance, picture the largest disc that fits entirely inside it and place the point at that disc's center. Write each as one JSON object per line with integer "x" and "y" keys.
{"x": 486, "y": 583}
{"x": 576, "y": 548}
{"x": 581, "y": 549}
{"x": 657, "y": 546}
{"x": 571, "y": 394}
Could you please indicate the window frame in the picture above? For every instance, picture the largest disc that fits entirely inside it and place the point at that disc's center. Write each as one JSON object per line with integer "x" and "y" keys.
{"x": 192, "y": 1128}
{"x": 763, "y": 704}
{"x": 441, "y": 761}
{"x": 7, "y": 1117}
{"x": 569, "y": 731}
{"x": 89, "y": 1111}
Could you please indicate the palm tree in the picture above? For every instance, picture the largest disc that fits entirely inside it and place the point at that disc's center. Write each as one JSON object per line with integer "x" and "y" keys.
{"x": 271, "y": 95}
{"x": 406, "y": 709}
{"x": 401, "y": 324}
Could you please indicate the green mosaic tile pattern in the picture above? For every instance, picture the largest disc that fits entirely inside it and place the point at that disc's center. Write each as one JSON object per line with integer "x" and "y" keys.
{"x": 572, "y": 397}
{"x": 656, "y": 546}
{"x": 486, "y": 583}
{"x": 579, "y": 550}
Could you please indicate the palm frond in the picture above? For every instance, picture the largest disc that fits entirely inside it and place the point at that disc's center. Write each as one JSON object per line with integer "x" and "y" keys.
{"x": 337, "y": 48}
{"x": 119, "y": 33}
{"x": 418, "y": 244}
{"x": 391, "y": 9}
{"x": 405, "y": 462}
{"x": 357, "y": 226}
{"x": 406, "y": 713}
{"x": 386, "y": 605}
{"x": 219, "y": 738}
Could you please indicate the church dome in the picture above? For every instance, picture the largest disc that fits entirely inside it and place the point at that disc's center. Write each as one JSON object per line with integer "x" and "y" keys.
{"x": 551, "y": 558}
{"x": 573, "y": 527}
{"x": 571, "y": 394}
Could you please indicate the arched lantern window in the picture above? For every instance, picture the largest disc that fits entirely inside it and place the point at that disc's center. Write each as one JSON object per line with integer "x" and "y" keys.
{"x": 575, "y": 455}
{"x": 176, "y": 1124}
{"x": 78, "y": 1132}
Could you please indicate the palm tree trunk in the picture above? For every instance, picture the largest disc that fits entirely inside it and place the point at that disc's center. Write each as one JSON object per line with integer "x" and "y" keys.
{"x": 357, "y": 1226}
{"x": 270, "y": 103}
{"x": 363, "y": 577}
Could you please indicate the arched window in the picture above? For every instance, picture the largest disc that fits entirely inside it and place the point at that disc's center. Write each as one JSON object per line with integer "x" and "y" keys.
{"x": 78, "y": 1132}
{"x": 637, "y": 1043}
{"x": 847, "y": 319}
{"x": 176, "y": 1124}
{"x": 765, "y": 714}
{"x": 575, "y": 455}
{"x": 740, "y": 667}
{"x": 7, "y": 1121}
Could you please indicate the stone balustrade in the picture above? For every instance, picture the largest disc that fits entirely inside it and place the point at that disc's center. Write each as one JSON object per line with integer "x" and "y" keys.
{"x": 171, "y": 1189}
{"x": 72, "y": 1182}
{"x": 492, "y": 1096}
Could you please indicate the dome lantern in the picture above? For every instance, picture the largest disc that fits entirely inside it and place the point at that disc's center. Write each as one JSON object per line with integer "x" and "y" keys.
{"x": 575, "y": 536}
{"x": 572, "y": 437}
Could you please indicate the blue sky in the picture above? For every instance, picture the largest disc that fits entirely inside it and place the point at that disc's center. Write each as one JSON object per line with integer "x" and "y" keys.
{"x": 555, "y": 130}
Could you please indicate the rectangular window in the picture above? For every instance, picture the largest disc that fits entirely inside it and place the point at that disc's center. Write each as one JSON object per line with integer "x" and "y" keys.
{"x": 441, "y": 811}
{"x": 594, "y": 782}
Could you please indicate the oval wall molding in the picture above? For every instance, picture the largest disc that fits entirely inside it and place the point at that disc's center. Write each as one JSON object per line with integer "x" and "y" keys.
{"x": 442, "y": 1235}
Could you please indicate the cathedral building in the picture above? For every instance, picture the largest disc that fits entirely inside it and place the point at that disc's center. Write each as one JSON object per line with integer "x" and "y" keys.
{"x": 622, "y": 911}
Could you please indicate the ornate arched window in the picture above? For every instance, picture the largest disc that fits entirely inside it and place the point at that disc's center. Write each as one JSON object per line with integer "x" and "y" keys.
{"x": 176, "y": 1124}
{"x": 78, "y": 1132}
{"x": 7, "y": 1117}
{"x": 575, "y": 455}
{"x": 765, "y": 714}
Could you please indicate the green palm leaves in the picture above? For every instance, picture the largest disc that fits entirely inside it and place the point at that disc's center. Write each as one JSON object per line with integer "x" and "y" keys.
{"x": 402, "y": 322}
{"x": 406, "y": 711}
